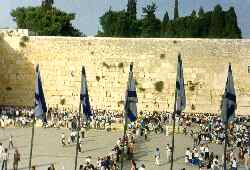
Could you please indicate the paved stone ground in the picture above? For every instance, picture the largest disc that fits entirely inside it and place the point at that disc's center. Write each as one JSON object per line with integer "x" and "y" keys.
{"x": 48, "y": 149}
{"x": 145, "y": 151}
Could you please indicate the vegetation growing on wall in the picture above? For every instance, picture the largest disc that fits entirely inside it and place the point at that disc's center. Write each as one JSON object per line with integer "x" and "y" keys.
{"x": 104, "y": 64}
{"x": 63, "y": 101}
{"x": 159, "y": 86}
{"x": 120, "y": 65}
{"x": 98, "y": 78}
{"x": 22, "y": 44}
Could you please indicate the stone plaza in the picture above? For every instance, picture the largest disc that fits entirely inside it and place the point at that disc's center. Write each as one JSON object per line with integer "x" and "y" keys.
{"x": 98, "y": 143}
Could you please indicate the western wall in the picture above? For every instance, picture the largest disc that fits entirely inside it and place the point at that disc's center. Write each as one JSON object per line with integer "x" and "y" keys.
{"x": 106, "y": 60}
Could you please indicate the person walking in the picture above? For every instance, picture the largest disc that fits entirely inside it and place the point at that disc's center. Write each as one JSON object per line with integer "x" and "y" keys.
{"x": 5, "y": 157}
{"x": 16, "y": 159}
{"x": 157, "y": 156}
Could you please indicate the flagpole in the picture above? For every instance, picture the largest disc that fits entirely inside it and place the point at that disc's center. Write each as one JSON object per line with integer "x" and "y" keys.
{"x": 124, "y": 134}
{"x": 32, "y": 140}
{"x": 172, "y": 149}
{"x": 77, "y": 143}
{"x": 225, "y": 147}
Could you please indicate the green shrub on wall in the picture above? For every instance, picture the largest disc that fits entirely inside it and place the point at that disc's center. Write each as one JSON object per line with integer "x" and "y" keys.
{"x": 25, "y": 38}
{"x": 106, "y": 65}
{"x": 62, "y": 101}
{"x": 22, "y": 44}
{"x": 162, "y": 56}
{"x": 98, "y": 78}
{"x": 120, "y": 65}
{"x": 141, "y": 89}
{"x": 159, "y": 86}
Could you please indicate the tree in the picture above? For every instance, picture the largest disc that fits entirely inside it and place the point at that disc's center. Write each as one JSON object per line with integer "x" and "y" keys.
{"x": 176, "y": 10}
{"x": 217, "y": 25}
{"x": 231, "y": 26}
{"x": 47, "y": 3}
{"x": 45, "y": 20}
{"x": 131, "y": 9}
{"x": 201, "y": 12}
{"x": 193, "y": 14}
{"x": 151, "y": 26}
{"x": 164, "y": 24}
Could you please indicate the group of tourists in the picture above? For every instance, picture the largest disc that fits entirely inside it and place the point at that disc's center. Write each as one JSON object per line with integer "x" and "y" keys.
{"x": 11, "y": 116}
{"x": 205, "y": 129}
{"x": 5, "y": 153}
{"x": 210, "y": 129}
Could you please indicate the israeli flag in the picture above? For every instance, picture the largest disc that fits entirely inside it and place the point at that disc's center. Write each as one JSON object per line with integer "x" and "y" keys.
{"x": 131, "y": 97}
{"x": 40, "y": 104}
{"x": 84, "y": 96}
{"x": 228, "y": 105}
{"x": 180, "y": 89}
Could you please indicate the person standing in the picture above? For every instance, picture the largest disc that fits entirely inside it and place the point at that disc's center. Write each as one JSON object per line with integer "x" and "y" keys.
{"x": 146, "y": 134}
{"x": 234, "y": 164}
{"x": 133, "y": 165}
{"x": 63, "y": 139}
{"x": 11, "y": 142}
{"x": 167, "y": 130}
{"x": 246, "y": 158}
{"x": 1, "y": 152}
{"x": 16, "y": 159}
{"x": 157, "y": 156}
{"x": 168, "y": 151}
{"x": 5, "y": 157}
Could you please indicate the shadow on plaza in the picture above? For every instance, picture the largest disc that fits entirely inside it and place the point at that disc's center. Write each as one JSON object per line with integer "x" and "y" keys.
{"x": 16, "y": 75}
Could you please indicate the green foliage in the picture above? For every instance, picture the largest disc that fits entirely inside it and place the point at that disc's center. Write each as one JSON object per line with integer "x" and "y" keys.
{"x": 22, "y": 44}
{"x": 121, "y": 102}
{"x": 106, "y": 65}
{"x": 120, "y": 65}
{"x": 141, "y": 89}
{"x": 217, "y": 23}
{"x": 176, "y": 10}
{"x": 150, "y": 24}
{"x": 211, "y": 24}
{"x": 45, "y": 20}
{"x": 63, "y": 101}
{"x": 131, "y": 9}
{"x": 97, "y": 78}
{"x": 25, "y": 38}
{"x": 159, "y": 86}
{"x": 162, "y": 56}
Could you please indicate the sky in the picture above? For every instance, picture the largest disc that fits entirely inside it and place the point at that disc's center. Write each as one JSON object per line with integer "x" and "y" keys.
{"x": 88, "y": 11}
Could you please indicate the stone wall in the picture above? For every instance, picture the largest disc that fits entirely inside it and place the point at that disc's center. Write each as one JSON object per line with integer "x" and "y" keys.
{"x": 107, "y": 60}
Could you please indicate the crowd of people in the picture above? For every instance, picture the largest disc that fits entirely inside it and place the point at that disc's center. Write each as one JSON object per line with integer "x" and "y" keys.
{"x": 205, "y": 129}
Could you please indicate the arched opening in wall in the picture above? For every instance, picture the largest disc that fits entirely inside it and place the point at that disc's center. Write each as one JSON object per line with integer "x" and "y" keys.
{"x": 16, "y": 76}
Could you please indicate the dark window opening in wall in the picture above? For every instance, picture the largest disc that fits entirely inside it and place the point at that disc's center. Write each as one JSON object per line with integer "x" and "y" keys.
{"x": 248, "y": 69}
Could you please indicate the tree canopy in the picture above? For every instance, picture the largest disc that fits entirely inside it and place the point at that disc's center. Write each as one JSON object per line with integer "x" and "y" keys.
{"x": 199, "y": 24}
{"x": 45, "y": 20}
